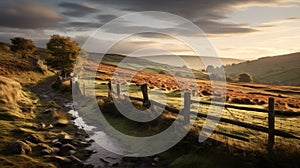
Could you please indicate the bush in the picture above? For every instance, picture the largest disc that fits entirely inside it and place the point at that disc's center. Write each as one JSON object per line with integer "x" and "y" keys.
{"x": 210, "y": 69}
{"x": 64, "y": 53}
{"x": 22, "y": 46}
{"x": 245, "y": 77}
{"x": 229, "y": 79}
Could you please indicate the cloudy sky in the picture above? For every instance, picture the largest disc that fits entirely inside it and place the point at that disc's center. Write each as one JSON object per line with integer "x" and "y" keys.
{"x": 244, "y": 29}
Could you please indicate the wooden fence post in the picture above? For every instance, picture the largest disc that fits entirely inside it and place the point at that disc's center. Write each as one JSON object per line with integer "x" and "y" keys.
{"x": 83, "y": 89}
{"x": 109, "y": 89}
{"x": 187, "y": 107}
{"x": 77, "y": 88}
{"x": 146, "y": 102}
{"x": 271, "y": 123}
{"x": 118, "y": 89}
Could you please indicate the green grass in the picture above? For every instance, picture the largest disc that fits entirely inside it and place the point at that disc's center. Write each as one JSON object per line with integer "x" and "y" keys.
{"x": 278, "y": 69}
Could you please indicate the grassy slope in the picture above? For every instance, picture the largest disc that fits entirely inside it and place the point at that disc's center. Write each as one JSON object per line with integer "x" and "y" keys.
{"x": 193, "y": 62}
{"x": 141, "y": 64}
{"x": 20, "y": 109}
{"x": 281, "y": 69}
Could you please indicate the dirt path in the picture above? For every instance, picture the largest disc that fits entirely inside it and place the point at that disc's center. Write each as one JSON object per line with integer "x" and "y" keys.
{"x": 45, "y": 93}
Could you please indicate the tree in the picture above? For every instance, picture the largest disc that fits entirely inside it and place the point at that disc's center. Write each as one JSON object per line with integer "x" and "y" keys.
{"x": 210, "y": 69}
{"x": 245, "y": 77}
{"x": 64, "y": 52}
{"x": 22, "y": 46}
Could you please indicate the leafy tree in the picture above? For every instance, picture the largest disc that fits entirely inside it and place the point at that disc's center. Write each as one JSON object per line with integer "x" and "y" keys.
{"x": 64, "y": 52}
{"x": 245, "y": 77}
{"x": 210, "y": 69}
{"x": 22, "y": 46}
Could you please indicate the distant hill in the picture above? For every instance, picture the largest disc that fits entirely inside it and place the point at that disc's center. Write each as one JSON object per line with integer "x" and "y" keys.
{"x": 193, "y": 62}
{"x": 282, "y": 69}
{"x": 146, "y": 64}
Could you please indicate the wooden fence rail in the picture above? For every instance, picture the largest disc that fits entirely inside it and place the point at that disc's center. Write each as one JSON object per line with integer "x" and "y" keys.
{"x": 270, "y": 130}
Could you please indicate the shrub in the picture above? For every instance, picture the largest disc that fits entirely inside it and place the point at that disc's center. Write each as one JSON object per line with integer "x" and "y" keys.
{"x": 210, "y": 69}
{"x": 22, "y": 46}
{"x": 245, "y": 77}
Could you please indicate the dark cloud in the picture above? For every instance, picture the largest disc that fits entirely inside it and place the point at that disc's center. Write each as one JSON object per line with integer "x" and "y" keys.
{"x": 84, "y": 24}
{"x": 106, "y": 18}
{"x": 214, "y": 9}
{"x": 204, "y": 13}
{"x": 28, "y": 15}
{"x": 212, "y": 27}
{"x": 154, "y": 35}
{"x": 208, "y": 27}
{"x": 76, "y": 10}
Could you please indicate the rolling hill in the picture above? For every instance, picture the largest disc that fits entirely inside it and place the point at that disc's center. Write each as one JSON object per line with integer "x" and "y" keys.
{"x": 282, "y": 69}
{"x": 193, "y": 62}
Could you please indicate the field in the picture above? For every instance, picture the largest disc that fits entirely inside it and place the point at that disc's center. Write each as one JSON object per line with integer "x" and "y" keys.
{"x": 281, "y": 70}
{"x": 169, "y": 90}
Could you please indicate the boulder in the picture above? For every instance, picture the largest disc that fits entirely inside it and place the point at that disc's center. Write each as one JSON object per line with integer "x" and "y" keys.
{"x": 61, "y": 160}
{"x": 41, "y": 125}
{"x": 19, "y": 147}
{"x": 67, "y": 149}
{"x": 34, "y": 138}
{"x": 65, "y": 139}
{"x": 75, "y": 160}
{"x": 46, "y": 152}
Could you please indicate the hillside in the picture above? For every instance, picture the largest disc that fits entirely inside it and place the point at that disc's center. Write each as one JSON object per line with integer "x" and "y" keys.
{"x": 193, "y": 62}
{"x": 145, "y": 64}
{"x": 32, "y": 114}
{"x": 282, "y": 69}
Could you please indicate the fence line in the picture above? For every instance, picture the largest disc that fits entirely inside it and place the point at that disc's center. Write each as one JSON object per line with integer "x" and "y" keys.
{"x": 270, "y": 130}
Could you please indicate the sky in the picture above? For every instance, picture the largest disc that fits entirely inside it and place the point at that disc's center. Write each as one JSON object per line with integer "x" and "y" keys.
{"x": 242, "y": 29}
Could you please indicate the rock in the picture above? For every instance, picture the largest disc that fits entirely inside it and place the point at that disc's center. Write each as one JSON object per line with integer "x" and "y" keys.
{"x": 57, "y": 144}
{"x": 19, "y": 147}
{"x": 67, "y": 149}
{"x": 66, "y": 152}
{"x": 65, "y": 139}
{"x": 45, "y": 149}
{"x": 61, "y": 122}
{"x": 41, "y": 125}
{"x": 34, "y": 138}
{"x": 56, "y": 150}
{"x": 47, "y": 111}
{"x": 104, "y": 161}
{"x": 72, "y": 152}
{"x": 75, "y": 159}
{"x": 156, "y": 159}
{"x": 91, "y": 141}
{"x": 46, "y": 152}
{"x": 83, "y": 144}
{"x": 61, "y": 160}
{"x": 73, "y": 117}
{"x": 41, "y": 66}
{"x": 49, "y": 126}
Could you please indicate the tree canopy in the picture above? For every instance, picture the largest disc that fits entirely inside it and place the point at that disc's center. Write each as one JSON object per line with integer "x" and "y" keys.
{"x": 245, "y": 77}
{"x": 210, "y": 69}
{"x": 64, "y": 52}
{"x": 22, "y": 45}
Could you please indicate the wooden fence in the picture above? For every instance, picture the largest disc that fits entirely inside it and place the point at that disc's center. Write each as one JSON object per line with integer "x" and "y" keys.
{"x": 270, "y": 130}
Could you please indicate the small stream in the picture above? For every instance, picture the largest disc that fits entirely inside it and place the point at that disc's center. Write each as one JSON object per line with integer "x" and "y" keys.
{"x": 101, "y": 157}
